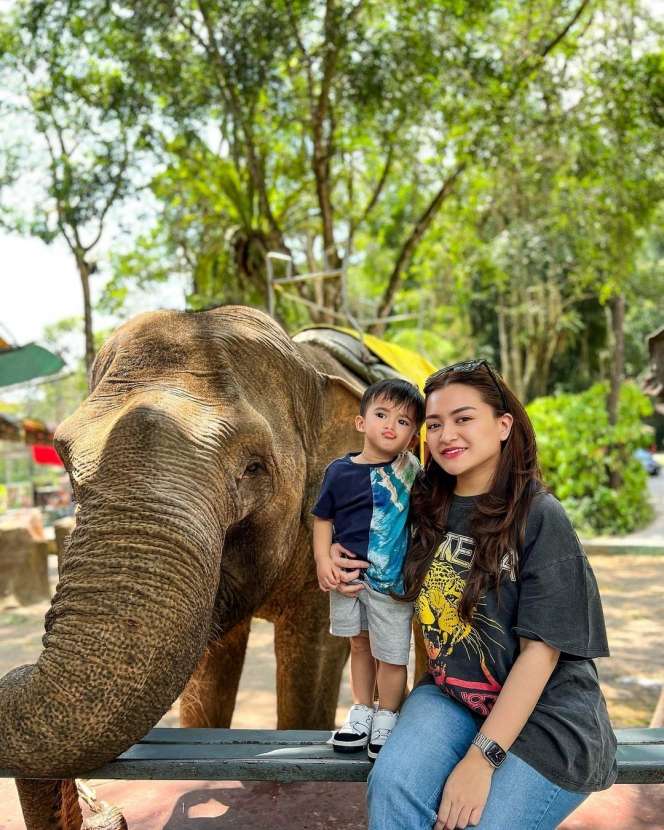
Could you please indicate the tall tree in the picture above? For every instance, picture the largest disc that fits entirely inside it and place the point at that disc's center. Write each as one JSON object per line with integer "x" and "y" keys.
{"x": 561, "y": 215}
{"x": 620, "y": 174}
{"x": 333, "y": 116}
{"x": 89, "y": 132}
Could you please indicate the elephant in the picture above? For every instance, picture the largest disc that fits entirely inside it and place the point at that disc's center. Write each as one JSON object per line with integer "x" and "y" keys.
{"x": 194, "y": 462}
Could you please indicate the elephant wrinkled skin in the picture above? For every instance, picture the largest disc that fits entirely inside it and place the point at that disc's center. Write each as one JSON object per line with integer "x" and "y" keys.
{"x": 194, "y": 461}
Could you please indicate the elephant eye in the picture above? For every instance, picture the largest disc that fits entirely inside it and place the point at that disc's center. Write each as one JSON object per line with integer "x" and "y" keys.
{"x": 253, "y": 467}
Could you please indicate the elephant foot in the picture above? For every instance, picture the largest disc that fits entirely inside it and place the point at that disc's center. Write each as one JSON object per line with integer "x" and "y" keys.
{"x": 109, "y": 819}
{"x": 106, "y": 817}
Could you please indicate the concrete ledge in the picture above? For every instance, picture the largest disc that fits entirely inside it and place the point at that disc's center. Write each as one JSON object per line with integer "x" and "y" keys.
{"x": 623, "y": 547}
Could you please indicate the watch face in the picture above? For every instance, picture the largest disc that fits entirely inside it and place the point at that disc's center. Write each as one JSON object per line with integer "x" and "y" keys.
{"x": 495, "y": 754}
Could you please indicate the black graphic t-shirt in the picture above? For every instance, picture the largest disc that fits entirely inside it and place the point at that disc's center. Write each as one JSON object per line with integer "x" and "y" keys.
{"x": 552, "y": 596}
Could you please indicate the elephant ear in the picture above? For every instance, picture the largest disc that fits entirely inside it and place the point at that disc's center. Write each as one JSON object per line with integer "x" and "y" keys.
{"x": 337, "y": 434}
{"x": 341, "y": 390}
{"x": 341, "y": 403}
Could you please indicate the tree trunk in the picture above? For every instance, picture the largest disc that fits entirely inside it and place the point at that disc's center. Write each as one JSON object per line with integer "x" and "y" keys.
{"x": 503, "y": 340}
{"x": 322, "y": 135}
{"x": 409, "y": 247}
{"x": 617, "y": 367}
{"x": 617, "y": 310}
{"x": 84, "y": 272}
{"x": 516, "y": 356}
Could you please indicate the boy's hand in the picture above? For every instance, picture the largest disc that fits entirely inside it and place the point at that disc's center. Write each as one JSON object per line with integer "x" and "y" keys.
{"x": 328, "y": 574}
{"x": 349, "y": 568}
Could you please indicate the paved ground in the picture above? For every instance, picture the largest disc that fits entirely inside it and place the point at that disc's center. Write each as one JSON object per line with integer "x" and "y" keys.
{"x": 633, "y": 594}
{"x": 655, "y": 530}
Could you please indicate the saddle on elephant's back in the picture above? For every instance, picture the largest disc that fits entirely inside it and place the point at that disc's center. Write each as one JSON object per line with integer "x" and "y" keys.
{"x": 366, "y": 356}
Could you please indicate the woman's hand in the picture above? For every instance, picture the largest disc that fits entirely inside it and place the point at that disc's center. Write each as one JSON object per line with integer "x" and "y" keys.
{"x": 465, "y": 792}
{"x": 328, "y": 574}
{"x": 349, "y": 569}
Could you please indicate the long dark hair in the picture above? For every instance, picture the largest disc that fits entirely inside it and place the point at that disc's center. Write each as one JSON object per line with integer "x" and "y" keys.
{"x": 499, "y": 516}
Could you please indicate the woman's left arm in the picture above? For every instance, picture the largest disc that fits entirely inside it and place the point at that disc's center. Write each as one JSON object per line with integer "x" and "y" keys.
{"x": 467, "y": 788}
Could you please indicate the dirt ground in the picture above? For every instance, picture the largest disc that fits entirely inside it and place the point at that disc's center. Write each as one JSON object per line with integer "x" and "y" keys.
{"x": 632, "y": 590}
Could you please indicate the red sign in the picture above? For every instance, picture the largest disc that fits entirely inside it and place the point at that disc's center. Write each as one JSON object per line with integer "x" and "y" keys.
{"x": 46, "y": 454}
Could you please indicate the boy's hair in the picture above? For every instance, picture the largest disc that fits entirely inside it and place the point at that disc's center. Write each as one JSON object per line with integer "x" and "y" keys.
{"x": 397, "y": 391}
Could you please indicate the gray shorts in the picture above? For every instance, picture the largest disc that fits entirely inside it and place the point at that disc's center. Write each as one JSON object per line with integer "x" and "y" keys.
{"x": 387, "y": 620}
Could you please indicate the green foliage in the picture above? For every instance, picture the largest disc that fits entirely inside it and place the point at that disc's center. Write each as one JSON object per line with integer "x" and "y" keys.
{"x": 308, "y": 126}
{"x": 88, "y": 128}
{"x": 578, "y": 449}
{"x": 438, "y": 350}
{"x": 328, "y": 129}
{"x": 563, "y": 212}
{"x": 645, "y": 300}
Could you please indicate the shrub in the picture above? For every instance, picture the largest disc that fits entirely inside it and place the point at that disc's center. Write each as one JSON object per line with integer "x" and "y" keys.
{"x": 578, "y": 449}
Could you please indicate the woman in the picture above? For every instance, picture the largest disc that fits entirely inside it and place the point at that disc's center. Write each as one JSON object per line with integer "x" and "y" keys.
{"x": 509, "y": 728}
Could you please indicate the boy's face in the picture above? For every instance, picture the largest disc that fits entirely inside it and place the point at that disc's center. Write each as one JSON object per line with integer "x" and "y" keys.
{"x": 388, "y": 428}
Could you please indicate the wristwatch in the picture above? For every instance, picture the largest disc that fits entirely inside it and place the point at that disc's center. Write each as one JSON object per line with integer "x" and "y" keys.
{"x": 494, "y": 753}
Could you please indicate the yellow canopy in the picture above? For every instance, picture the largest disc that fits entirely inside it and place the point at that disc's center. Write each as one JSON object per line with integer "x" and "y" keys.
{"x": 408, "y": 363}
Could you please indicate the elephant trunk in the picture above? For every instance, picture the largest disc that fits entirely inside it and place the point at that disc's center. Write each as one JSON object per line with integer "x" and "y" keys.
{"x": 127, "y": 625}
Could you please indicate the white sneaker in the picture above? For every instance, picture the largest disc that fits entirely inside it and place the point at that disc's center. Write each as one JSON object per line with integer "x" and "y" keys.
{"x": 355, "y": 732}
{"x": 383, "y": 723}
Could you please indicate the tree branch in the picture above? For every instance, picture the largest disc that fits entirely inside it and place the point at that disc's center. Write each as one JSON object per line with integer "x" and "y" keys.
{"x": 212, "y": 49}
{"x": 562, "y": 34}
{"x": 427, "y": 217}
{"x": 115, "y": 192}
{"x": 323, "y": 145}
{"x": 530, "y": 66}
{"x": 377, "y": 190}
{"x": 303, "y": 51}
{"x": 408, "y": 247}
{"x": 354, "y": 12}
{"x": 58, "y": 202}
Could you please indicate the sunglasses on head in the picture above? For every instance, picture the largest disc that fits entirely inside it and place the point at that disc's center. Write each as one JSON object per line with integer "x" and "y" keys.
{"x": 471, "y": 366}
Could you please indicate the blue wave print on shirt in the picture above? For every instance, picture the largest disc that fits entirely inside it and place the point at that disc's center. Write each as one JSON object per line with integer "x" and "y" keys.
{"x": 388, "y": 534}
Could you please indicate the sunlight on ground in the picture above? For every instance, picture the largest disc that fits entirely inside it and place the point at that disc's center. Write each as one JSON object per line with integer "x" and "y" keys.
{"x": 632, "y": 590}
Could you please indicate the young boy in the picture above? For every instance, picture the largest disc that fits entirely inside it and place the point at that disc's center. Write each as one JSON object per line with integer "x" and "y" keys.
{"x": 363, "y": 505}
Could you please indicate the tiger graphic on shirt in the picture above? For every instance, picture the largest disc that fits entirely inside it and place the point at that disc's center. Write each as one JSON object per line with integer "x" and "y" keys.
{"x": 444, "y": 631}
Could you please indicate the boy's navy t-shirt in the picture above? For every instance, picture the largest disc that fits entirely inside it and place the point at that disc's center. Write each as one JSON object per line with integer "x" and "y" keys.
{"x": 368, "y": 505}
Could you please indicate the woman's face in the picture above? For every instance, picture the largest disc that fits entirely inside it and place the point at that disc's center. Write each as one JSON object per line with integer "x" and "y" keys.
{"x": 464, "y": 436}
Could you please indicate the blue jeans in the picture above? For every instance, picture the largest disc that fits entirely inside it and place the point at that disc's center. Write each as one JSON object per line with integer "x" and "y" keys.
{"x": 432, "y": 735}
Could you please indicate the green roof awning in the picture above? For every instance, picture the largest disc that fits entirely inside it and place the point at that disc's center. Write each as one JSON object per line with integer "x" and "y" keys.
{"x": 23, "y": 363}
